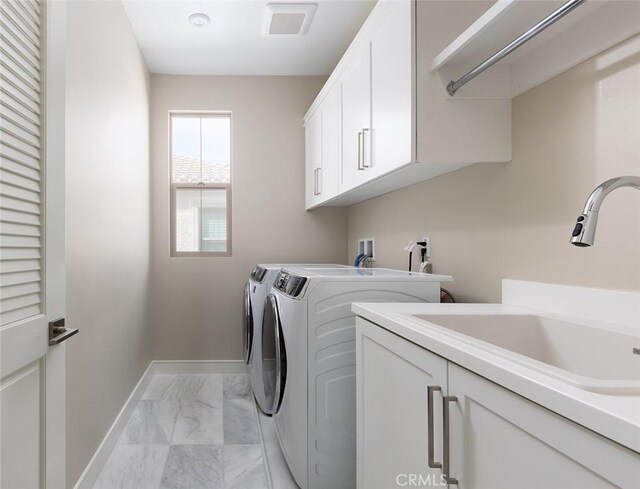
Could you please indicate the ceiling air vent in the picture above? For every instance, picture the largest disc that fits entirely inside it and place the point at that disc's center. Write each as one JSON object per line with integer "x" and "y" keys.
{"x": 288, "y": 19}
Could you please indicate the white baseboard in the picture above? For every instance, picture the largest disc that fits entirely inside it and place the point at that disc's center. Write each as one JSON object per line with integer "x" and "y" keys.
{"x": 90, "y": 475}
{"x": 91, "y": 472}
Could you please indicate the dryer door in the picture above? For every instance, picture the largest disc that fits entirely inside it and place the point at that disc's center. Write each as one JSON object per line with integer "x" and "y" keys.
{"x": 274, "y": 358}
{"x": 247, "y": 327}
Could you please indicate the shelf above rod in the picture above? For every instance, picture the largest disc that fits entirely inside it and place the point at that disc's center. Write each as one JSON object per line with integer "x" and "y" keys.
{"x": 454, "y": 86}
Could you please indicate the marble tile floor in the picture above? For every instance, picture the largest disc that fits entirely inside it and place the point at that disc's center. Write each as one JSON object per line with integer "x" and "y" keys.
{"x": 193, "y": 432}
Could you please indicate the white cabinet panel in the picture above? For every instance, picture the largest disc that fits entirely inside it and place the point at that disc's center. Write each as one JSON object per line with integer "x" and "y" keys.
{"x": 393, "y": 377}
{"x": 356, "y": 121}
{"x": 322, "y": 150}
{"x": 391, "y": 91}
{"x": 331, "y": 152}
{"x": 502, "y": 440}
{"x": 313, "y": 158}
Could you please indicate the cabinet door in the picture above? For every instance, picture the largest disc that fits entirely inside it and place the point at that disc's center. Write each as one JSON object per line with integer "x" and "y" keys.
{"x": 392, "y": 124}
{"x": 313, "y": 158}
{"x": 356, "y": 120}
{"x": 502, "y": 440}
{"x": 392, "y": 379}
{"x": 328, "y": 175}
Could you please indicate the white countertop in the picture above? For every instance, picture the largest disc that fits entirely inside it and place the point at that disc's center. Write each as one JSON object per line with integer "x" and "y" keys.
{"x": 377, "y": 274}
{"x": 614, "y": 416}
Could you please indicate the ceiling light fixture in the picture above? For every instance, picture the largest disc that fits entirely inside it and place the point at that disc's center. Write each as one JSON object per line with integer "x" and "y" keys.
{"x": 199, "y": 19}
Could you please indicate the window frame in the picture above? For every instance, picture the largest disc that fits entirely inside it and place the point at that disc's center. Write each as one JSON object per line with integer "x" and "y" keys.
{"x": 173, "y": 187}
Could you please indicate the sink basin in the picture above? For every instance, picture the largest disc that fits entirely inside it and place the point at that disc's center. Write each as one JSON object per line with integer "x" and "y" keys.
{"x": 592, "y": 359}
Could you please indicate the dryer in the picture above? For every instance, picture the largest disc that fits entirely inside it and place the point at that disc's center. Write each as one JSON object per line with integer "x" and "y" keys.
{"x": 309, "y": 362}
{"x": 255, "y": 292}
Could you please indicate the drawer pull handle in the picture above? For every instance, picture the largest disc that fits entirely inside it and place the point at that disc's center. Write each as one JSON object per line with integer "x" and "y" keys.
{"x": 315, "y": 181}
{"x": 446, "y": 442}
{"x": 366, "y": 155}
{"x": 430, "y": 443}
{"x": 360, "y": 151}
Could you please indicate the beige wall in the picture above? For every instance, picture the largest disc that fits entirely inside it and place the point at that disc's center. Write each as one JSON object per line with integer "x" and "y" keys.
{"x": 107, "y": 235}
{"x": 494, "y": 221}
{"x": 197, "y": 301}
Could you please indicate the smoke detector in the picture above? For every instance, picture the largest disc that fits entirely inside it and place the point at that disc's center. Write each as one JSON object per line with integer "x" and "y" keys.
{"x": 199, "y": 19}
{"x": 288, "y": 19}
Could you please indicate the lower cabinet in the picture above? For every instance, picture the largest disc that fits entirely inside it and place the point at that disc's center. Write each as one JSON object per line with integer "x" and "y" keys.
{"x": 502, "y": 440}
{"x": 424, "y": 421}
{"x": 394, "y": 431}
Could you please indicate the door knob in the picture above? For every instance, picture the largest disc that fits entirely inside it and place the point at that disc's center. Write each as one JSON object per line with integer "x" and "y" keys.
{"x": 58, "y": 332}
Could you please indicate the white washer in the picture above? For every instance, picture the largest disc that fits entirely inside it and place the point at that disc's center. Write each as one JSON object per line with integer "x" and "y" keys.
{"x": 256, "y": 290}
{"x": 309, "y": 362}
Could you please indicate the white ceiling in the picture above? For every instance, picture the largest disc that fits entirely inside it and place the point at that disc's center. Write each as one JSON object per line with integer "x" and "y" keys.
{"x": 232, "y": 44}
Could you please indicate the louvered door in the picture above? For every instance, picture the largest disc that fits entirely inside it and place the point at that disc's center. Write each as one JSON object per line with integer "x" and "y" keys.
{"x": 31, "y": 242}
{"x": 21, "y": 152}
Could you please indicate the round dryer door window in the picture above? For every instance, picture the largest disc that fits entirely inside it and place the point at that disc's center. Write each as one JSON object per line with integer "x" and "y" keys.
{"x": 248, "y": 323}
{"x": 274, "y": 359}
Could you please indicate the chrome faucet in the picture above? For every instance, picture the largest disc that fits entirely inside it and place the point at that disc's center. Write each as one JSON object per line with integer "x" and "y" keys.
{"x": 585, "y": 230}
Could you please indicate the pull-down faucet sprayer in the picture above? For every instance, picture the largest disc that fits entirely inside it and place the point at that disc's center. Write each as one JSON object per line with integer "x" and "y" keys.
{"x": 585, "y": 230}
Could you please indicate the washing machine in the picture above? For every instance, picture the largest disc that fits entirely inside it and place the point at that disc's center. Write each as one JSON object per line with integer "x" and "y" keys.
{"x": 256, "y": 290}
{"x": 309, "y": 362}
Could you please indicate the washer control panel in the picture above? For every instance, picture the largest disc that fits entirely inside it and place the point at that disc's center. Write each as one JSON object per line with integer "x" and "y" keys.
{"x": 291, "y": 285}
{"x": 258, "y": 273}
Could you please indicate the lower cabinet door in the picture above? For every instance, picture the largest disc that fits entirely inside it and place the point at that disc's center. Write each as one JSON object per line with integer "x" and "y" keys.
{"x": 393, "y": 376}
{"x": 502, "y": 440}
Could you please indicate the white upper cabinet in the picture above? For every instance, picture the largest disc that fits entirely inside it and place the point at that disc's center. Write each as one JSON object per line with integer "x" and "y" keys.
{"x": 399, "y": 126}
{"x": 377, "y": 100}
{"x": 392, "y": 71}
{"x": 322, "y": 150}
{"x": 313, "y": 159}
{"x": 331, "y": 148}
{"x": 355, "y": 86}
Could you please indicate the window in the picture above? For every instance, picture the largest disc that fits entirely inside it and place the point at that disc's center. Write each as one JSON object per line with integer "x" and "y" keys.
{"x": 200, "y": 158}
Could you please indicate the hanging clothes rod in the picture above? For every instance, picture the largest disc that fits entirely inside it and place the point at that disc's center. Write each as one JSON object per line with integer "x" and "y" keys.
{"x": 454, "y": 86}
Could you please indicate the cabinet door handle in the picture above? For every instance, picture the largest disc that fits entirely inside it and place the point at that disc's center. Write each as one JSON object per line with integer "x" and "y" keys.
{"x": 446, "y": 441}
{"x": 315, "y": 181}
{"x": 430, "y": 443}
{"x": 360, "y": 151}
{"x": 319, "y": 180}
{"x": 365, "y": 153}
